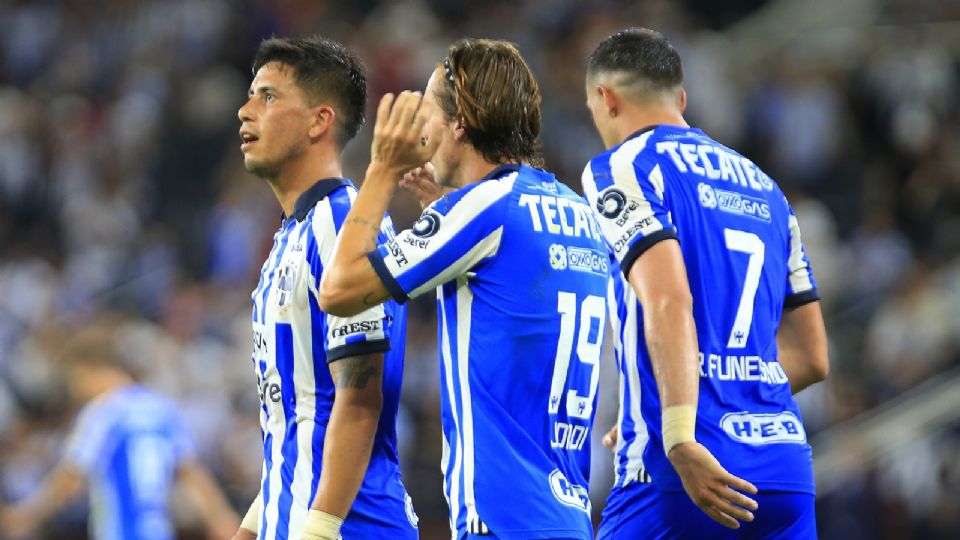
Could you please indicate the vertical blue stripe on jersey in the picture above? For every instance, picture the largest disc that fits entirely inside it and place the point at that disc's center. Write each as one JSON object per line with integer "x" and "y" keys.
{"x": 317, "y": 319}
{"x": 627, "y": 427}
{"x": 313, "y": 250}
{"x": 265, "y": 489}
{"x": 260, "y": 283}
{"x": 288, "y": 450}
{"x": 339, "y": 207}
{"x": 273, "y": 270}
{"x": 479, "y": 227}
{"x": 449, "y": 299}
{"x": 125, "y": 496}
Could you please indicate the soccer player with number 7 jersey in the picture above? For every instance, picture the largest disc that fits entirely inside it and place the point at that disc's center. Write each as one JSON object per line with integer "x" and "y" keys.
{"x": 520, "y": 269}
{"x": 715, "y": 311}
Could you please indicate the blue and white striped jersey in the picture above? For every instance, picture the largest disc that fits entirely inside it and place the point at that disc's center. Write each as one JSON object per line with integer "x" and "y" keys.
{"x": 745, "y": 262}
{"x": 520, "y": 270}
{"x": 293, "y": 343}
{"x": 128, "y": 443}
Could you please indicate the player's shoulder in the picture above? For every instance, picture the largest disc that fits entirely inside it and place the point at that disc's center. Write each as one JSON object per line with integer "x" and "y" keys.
{"x": 636, "y": 152}
{"x": 480, "y": 195}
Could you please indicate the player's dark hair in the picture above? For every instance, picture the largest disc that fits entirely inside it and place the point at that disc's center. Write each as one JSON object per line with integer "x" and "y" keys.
{"x": 325, "y": 70}
{"x": 640, "y": 52}
{"x": 489, "y": 86}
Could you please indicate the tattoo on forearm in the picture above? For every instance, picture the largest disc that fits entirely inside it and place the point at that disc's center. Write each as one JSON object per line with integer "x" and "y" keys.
{"x": 356, "y": 372}
{"x": 361, "y": 221}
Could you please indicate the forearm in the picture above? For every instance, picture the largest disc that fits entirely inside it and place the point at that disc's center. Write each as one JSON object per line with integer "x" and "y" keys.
{"x": 802, "y": 346}
{"x": 349, "y": 284}
{"x": 209, "y": 500}
{"x": 347, "y": 446}
{"x": 59, "y": 488}
{"x": 671, "y": 339}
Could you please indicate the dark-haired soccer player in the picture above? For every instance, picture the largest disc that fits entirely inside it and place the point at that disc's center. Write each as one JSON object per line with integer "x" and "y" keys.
{"x": 329, "y": 386}
{"x": 520, "y": 269}
{"x": 716, "y": 313}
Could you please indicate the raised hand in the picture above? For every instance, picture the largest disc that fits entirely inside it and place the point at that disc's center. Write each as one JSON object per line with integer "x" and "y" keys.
{"x": 398, "y": 142}
{"x": 711, "y": 487}
{"x": 421, "y": 183}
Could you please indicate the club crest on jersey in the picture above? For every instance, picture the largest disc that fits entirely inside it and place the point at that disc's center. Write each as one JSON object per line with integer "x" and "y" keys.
{"x": 558, "y": 257}
{"x": 427, "y": 225}
{"x": 611, "y": 203}
{"x": 285, "y": 280}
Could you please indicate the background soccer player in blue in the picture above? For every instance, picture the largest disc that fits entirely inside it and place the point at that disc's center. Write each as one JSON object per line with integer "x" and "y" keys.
{"x": 716, "y": 313}
{"x": 520, "y": 270}
{"x": 130, "y": 446}
{"x": 329, "y": 386}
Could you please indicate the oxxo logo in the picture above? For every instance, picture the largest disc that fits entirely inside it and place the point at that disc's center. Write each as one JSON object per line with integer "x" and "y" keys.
{"x": 569, "y": 494}
{"x": 558, "y": 257}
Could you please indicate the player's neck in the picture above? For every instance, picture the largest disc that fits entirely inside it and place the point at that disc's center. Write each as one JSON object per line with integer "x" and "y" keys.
{"x": 472, "y": 168}
{"x": 298, "y": 175}
{"x": 638, "y": 118}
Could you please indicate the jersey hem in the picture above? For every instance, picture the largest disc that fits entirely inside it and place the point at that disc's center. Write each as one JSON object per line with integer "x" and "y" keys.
{"x": 390, "y": 282}
{"x": 642, "y": 245}
{"x": 358, "y": 348}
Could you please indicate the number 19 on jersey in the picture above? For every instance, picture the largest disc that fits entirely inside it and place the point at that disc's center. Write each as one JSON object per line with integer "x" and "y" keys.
{"x": 568, "y": 381}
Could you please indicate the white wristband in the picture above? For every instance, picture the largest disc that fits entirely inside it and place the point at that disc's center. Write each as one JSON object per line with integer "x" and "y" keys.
{"x": 678, "y": 425}
{"x": 321, "y": 526}
{"x": 252, "y": 518}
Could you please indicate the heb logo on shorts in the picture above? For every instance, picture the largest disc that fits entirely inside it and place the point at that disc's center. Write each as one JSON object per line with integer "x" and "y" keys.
{"x": 733, "y": 202}
{"x": 759, "y": 429}
{"x": 569, "y": 494}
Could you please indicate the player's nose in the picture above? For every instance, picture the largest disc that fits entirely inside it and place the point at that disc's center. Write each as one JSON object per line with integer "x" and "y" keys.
{"x": 245, "y": 112}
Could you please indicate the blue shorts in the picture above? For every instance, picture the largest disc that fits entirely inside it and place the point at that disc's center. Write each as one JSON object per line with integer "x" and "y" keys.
{"x": 641, "y": 511}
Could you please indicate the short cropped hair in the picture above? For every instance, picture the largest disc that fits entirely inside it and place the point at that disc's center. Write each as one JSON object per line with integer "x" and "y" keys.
{"x": 488, "y": 85}
{"x": 325, "y": 70}
{"x": 641, "y": 56}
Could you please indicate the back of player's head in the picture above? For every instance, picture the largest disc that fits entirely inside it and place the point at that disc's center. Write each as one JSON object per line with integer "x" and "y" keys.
{"x": 326, "y": 71}
{"x": 638, "y": 59}
{"x": 490, "y": 88}
{"x": 93, "y": 346}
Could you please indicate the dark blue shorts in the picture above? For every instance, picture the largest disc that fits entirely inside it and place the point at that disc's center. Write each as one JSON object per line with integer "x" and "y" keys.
{"x": 641, "y": 511}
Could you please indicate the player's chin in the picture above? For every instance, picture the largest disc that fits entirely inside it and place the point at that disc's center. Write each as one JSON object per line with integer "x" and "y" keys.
{"x": 257, "y": 167}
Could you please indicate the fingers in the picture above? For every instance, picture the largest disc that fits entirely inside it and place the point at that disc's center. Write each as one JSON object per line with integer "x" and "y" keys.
{"x": 740, "y": 484}
{"x": 610, "y": 438}
{"x": 732, "y": 510}
{"x": 428, "y": 169}
{"x": 406, "y": 107}
{"x": 739, "y": 499}
{"x": 721, "y": 517}
{"x": 383, "y": 113}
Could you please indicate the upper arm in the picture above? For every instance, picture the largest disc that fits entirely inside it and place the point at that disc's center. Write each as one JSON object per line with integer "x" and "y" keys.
{"x": 801, "y": 286}
{"x": 358, "y": 379}
{"x": 629, "y": 202}
{"x": 659, "y": 277}
{"x": 446, "y": 242}
{"x": 802, "y": 331}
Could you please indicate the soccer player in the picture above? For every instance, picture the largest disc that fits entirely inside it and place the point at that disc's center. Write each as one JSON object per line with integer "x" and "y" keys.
{"x": 130, "y": 446}
{"x": 520, "y": 271}
{"x": 329, "y": 386}
{"x": 711, "y": 265}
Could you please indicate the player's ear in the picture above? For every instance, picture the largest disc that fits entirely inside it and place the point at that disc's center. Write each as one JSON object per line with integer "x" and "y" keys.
{"x": 322, "y": 121}
{"x": 683, "y": 100}
{"x": 459, "y": 130}
{"x": 610, "y": 99}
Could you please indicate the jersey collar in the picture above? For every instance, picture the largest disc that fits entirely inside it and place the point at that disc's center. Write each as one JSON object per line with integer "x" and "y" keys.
{"x": 309, "y": 198}
{"x": 501, "y": 170}
{"x": 639, "y": 132}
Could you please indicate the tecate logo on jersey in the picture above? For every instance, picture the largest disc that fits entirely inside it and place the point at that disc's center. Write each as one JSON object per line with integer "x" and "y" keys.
{"x": 569, "y": 494}
{"x": 733, "y": 203}
{"x": 758, "y": 429}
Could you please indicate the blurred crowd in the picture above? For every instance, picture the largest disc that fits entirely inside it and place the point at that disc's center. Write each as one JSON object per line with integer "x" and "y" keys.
{"x": 122, "y": 189}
